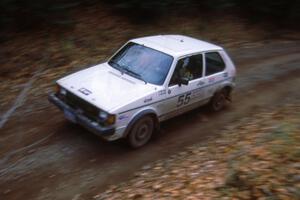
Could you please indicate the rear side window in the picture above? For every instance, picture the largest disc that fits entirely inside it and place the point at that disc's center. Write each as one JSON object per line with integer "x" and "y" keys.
{"x": 214, "y": 63}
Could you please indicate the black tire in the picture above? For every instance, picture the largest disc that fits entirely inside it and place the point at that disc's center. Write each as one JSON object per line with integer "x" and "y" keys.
{"x": 219, "y": 100}
{"x": 141, "y": 132}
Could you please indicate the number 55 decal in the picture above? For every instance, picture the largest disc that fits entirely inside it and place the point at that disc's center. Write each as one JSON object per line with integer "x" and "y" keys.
{"x": 184, "y": 99}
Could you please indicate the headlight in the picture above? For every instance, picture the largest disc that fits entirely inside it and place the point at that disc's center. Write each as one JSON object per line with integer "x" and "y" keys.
{"x": 103, "y": 115}
{"x": 63, "y": 91}
{"x": 106, "y": 118}
{"x": 59, "y": 90}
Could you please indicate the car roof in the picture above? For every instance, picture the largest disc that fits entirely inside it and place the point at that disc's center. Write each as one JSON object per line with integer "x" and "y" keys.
{"x": 176, "y": 45}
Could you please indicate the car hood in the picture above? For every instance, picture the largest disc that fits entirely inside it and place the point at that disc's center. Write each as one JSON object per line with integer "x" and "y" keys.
{"x": 105, "y": 87}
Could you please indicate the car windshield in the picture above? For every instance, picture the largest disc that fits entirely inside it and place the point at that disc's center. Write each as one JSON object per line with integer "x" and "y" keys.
{"x": 143, "y": 63}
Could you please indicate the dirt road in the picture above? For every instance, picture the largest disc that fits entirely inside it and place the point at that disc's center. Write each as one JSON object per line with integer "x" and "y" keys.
{"x": 45, "y": 157}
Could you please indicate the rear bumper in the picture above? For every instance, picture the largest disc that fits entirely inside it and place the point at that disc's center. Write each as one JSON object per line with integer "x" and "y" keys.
{"x": 92, "y": 126}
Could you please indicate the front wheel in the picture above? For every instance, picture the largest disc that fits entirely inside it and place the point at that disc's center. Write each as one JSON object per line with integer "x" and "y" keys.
{"x": 141, "y": 132}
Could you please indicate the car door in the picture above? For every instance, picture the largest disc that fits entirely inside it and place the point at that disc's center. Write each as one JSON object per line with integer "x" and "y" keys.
{"x": 215, "y": 73}
{"x": 180, "y": 97}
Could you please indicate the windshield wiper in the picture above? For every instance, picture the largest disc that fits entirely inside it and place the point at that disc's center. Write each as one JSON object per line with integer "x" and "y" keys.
{"x": 117, "y": 66}
{"x": 136, "y": 75}
{"x": 124, "y": 69}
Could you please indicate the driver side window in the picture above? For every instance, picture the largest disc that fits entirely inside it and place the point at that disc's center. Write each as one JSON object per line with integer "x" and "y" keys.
{"x": 189, "y": 67}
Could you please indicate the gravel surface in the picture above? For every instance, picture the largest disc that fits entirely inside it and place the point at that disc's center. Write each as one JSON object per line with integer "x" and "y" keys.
{"x": 258, "y": 158}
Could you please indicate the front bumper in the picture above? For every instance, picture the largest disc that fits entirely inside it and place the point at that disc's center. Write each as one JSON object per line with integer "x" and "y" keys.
{"x": 81, "y": 119}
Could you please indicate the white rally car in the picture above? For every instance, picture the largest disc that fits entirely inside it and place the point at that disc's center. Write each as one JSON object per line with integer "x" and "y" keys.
{"x": 149, "y": 80}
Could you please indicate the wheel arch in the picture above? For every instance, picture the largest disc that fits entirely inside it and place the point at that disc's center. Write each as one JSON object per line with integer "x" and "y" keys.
{"x": 143, "y": 113}
{"x": 228, "y": 87}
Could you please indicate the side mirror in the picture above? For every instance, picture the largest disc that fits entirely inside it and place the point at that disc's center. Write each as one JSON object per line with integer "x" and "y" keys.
{"x": 183, "y": 81}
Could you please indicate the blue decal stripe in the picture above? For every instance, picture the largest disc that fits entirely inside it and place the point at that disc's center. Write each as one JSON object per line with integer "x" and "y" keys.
{"x": 175, "y": 95}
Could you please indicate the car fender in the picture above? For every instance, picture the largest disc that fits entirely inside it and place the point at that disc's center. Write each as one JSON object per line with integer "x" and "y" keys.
{"x": 138, "y": 115}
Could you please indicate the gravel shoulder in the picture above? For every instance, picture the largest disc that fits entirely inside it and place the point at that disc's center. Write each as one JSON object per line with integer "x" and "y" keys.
{"x": 256, "y": 158}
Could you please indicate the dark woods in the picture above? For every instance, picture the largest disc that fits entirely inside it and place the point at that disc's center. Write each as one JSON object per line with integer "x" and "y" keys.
{"x": 30, "y": 14}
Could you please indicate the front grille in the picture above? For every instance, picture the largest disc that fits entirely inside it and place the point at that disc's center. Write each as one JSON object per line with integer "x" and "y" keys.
{"x": 76, "y": 102}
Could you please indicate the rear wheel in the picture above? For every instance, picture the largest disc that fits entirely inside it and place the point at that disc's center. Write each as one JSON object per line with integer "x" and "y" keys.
{"x": 141, "y": 132}
{"x": 219, "y": 100}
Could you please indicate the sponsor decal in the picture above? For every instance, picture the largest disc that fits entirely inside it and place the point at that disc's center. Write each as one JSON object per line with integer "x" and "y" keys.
{"x": 122, "y": 117}
{"x": 212, "y": 79}
{"x": 148, "y": 100}
{"x": 200, "y": 83}
{"x": 198, "y": 93}
{"x": 85, "y": 91}
{"x": 162, "y": 92}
